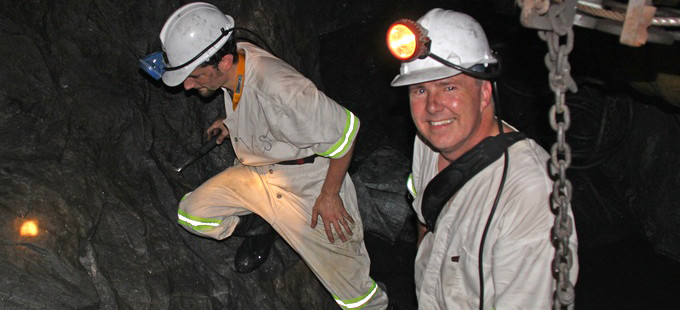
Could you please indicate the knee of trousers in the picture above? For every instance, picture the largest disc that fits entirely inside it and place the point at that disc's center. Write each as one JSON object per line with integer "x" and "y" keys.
{"x": 189, "y": 215}
{"x": 202, "y": 217}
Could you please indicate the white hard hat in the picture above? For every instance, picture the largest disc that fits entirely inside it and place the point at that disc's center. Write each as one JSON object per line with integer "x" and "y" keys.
{"x": 455, "y": 37}
{"x": 189, "y": 31}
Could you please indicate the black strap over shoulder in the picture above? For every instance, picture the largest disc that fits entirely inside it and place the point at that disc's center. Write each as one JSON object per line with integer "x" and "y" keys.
{"x": 447, "y": 182}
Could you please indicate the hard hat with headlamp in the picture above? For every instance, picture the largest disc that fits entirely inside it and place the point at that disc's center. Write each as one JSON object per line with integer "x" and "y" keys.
{"x": 189, "y": 37}
{"x": 440, "y": 44}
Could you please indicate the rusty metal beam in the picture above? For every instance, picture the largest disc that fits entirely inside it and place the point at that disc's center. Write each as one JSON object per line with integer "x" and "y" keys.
{"x": 639, "y": 15}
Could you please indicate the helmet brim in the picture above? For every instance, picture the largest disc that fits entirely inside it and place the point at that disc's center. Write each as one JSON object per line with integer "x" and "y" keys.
{"x": 428, "y": 74}
{"x": 176, "y": 77}
{"x": 425, "y": 75}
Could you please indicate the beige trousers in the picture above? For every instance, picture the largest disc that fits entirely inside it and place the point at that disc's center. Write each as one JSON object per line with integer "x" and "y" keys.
{"x": 284, "y": 196}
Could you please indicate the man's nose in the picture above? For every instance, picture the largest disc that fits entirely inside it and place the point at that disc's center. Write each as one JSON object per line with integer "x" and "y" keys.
{"x": 433, "y": 103}
{"x": 188, "y": 84}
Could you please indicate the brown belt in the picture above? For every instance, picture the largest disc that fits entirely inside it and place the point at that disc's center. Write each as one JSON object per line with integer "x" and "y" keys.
{"x": 301, "y": 161}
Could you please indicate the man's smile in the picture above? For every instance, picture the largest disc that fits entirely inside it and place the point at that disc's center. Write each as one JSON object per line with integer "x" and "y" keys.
{"x": 442, "y": 122}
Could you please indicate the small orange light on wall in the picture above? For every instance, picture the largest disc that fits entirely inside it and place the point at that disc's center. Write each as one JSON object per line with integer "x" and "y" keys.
{"x": 29, "y": 229}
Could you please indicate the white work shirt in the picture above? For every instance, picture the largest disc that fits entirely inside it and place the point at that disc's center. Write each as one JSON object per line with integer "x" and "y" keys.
{"x": 517, "y": 251}
{"x": 282, "y": 116}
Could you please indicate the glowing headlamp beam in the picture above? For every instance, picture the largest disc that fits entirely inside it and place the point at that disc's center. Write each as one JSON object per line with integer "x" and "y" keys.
{"x": 401, "y": 41}
{"x": 406, "y": 40}
{"x": 404, "y": 46}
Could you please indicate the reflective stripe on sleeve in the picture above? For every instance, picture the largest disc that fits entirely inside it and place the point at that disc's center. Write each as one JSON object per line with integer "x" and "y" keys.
{"x": 343, "y": 145}
{"x": 359, "y": 302}
{"x": 195, "y": 222}
{"x": 411, "y": 187}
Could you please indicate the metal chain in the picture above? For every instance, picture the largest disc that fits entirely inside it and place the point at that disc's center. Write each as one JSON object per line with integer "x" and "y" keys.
{"x": 560, "y": 81}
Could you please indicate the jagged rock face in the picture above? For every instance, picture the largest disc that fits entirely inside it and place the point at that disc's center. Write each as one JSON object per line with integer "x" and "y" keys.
{"x": 88, "y": 144}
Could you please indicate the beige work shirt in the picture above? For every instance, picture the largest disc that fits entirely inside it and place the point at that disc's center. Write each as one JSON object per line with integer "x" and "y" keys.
{"x": 282, "y": 116}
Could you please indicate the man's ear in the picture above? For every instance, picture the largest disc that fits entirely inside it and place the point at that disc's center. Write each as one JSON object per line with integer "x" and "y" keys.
{"x": 486, "y": 90}
{"x": 226, "y": 63}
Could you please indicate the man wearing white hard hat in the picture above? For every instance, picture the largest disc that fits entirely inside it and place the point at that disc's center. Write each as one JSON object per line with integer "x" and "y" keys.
{"x": 293, "y": 146}
{"x": 481, "y": 189}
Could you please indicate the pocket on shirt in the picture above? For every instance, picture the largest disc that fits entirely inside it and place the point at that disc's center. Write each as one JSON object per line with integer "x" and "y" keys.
{"x": 452, "y": 272}
{"x": 460, "y": 278}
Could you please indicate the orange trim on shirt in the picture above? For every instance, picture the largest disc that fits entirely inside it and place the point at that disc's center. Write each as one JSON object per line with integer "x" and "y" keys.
{"x": 241, "y": 79}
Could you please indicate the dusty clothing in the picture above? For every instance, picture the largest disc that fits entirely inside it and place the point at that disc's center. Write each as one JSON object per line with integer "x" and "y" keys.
{"x": 517, "y": 251}
{"x": 282, "y": 116}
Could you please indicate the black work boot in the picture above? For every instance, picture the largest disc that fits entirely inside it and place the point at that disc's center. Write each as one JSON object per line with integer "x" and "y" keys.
{"x": 253, "y": 251}
{"x": 391, "y": 303}
{"x": 259, "y": 238}
{"x": 251, "y": 225}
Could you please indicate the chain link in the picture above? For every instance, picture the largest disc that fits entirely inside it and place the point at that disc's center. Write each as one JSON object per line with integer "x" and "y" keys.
{"x": 556, "y": 60}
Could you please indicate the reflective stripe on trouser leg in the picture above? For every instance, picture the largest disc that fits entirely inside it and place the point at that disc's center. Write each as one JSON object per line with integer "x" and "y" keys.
{"x": 212, "y": 209}
{"x": 197, "y": 223}
{"x": 359, "y": 302}
{"x": 342, "y": 267}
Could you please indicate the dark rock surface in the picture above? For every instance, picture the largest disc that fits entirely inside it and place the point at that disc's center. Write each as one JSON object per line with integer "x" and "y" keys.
{"x": 88, "y": 145}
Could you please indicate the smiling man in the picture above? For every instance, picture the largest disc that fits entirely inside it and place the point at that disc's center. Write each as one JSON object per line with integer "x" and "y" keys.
{"x": 481, "y": 189}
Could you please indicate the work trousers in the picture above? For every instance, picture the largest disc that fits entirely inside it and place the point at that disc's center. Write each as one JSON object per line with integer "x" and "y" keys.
{"x": 284, "y": 196}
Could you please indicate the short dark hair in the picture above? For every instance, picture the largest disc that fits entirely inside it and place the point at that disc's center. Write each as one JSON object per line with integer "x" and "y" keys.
{"x": 229, "y": 48}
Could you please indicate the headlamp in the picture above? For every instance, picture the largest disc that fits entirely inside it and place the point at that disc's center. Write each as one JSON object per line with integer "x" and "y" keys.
{"x": 154, "y": 64}
{"x": 407, "y": 40}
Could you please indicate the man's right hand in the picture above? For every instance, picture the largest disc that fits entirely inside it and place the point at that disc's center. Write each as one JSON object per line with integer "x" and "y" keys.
{"x": 218, "y": 128}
